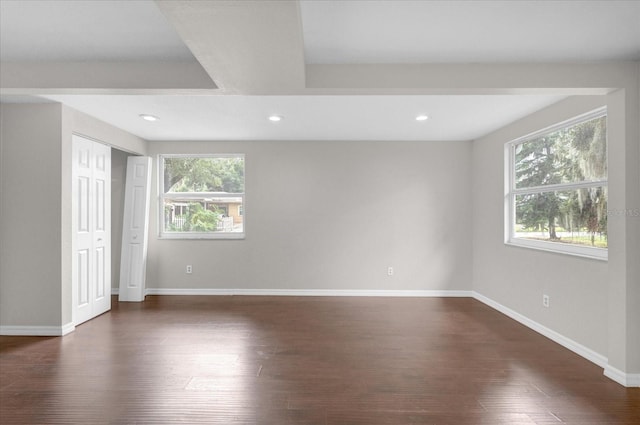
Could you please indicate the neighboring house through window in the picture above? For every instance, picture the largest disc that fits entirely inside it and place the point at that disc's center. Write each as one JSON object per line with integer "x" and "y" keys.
{"x": 201, "y": 196}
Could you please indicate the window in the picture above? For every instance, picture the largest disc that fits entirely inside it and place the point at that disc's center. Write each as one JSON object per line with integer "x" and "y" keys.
{"x": 557, "y": 188}
{"x": 201, "y": 196}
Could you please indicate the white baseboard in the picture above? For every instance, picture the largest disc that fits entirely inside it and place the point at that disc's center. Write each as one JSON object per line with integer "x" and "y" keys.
{"x": 68, "y": 328}
{"x": 115, "y": 291}
{"x": 577, "y": 348}
{"x": 626, "y": 379}
{"x": 37, "y": 330}
{"x": 622, "y": 378}
{"x": 311, "y": 292}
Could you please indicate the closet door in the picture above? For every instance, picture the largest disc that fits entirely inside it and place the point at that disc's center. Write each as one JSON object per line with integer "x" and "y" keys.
{"x": 91, "y": 224}
{"x": 135, "y": 228}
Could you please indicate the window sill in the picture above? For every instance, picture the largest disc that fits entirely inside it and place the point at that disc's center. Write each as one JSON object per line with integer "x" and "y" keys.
{"x": 601, "y": 254}
{"x": 202, "y": 236}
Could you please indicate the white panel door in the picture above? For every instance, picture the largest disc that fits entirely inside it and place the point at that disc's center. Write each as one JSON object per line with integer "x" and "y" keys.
{"x": 135, "y": 226}
{"x": 91, "y": 223}
{"x": 82, "y": 237}
{"x": 101, "y": 285}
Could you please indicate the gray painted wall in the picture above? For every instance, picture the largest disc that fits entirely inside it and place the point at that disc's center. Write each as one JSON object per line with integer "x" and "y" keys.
{"x": 517, "y": 277}
{"x": 30, "y": 215}
{"x": 333, "y": 215}
{"x": 35, "y": 211}
{"x": 594, "y": 303}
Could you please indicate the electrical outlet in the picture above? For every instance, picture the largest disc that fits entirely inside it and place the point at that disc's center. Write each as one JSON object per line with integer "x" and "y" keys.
{"x": 390, "y": 271}
{"x": 189, "y": 269}
{"x": 545, "y": 300}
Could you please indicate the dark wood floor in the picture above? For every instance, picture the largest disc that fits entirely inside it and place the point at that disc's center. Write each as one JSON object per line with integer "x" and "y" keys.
{"x": 304, "y": 360}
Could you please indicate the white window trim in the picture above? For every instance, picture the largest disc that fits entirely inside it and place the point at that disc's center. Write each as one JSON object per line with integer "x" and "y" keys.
{"x": 197, "y": 195}
{"x": 511, "y": 192}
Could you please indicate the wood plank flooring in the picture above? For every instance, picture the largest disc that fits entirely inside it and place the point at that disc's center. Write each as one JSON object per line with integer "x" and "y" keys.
{"x": 304, "y": 360}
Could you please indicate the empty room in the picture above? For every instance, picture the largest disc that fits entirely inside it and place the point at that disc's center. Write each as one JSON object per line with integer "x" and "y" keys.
{"x": 319, "y": 212}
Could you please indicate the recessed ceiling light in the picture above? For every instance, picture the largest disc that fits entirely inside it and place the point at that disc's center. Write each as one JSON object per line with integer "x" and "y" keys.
{"x": 422, "y": 117}
{"x": 275, "y": 118}
{"x": 148, "y": 117}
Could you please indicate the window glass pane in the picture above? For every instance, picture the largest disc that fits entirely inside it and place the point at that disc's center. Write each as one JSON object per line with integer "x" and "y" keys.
{"x": 203, "y": 196}
{"x": 194, "y": 174}
{"x": 572, "y": 154}
{"x": 576, "y": 216}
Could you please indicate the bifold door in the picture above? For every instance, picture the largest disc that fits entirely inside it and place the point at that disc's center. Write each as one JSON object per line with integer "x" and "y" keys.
{"x": 135, "y": 225}
{"x": 91, "y": 223}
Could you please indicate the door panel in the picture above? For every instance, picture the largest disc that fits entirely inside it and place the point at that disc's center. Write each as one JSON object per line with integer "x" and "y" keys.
{"x": 102, "y": 229}
{"x": 83, "y": 204}
{"x": 100, "y": 275}
{"x": 135, "y": 229}
{"x": 83, "y": 277}
{"x": 91, "y": 223}
{"x": 138, "y": 220}
{"x": 100, "y": 201}
{"x": 134, "y": 266}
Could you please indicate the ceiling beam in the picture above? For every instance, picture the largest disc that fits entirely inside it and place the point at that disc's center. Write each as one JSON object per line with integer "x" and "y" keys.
{"x": 516, "y": 79}
{"x": 103, "y": 77}
{"x": 247, "y": 47}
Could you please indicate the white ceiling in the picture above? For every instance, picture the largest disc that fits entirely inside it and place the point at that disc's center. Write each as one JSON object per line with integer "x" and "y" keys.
{"x": 470, "y": 31}
{"x": 309, "y": 117}
{"x": 257, "y": 53}
{"x": 50, "y": 30}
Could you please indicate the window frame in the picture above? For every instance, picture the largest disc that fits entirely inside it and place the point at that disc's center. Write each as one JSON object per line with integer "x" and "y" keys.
{"x": 511, "y": 192}
{"x": 162, "y": 196}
